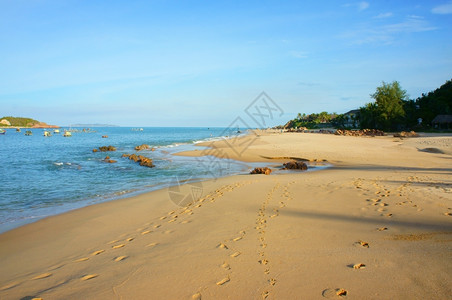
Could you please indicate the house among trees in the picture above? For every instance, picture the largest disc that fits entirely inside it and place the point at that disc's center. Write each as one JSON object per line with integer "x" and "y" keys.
{"x": 442, "y": 122}
{"x": 351, "y": 119}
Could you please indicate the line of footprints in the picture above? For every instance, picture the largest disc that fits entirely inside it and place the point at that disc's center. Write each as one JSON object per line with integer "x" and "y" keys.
{"x": 150, "y": 227}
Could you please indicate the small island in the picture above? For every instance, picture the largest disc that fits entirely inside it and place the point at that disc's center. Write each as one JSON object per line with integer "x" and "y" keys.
{"x": 19, "y": 122}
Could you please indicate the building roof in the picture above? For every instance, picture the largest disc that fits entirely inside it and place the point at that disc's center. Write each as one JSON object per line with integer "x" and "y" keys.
{"x": 442, "y": 119}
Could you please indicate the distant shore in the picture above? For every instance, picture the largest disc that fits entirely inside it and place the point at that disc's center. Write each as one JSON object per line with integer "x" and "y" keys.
{"x": 375, "y": 225}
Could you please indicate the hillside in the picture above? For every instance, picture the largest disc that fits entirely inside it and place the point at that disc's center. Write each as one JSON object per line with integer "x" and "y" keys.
{"x": 23, "y": 122}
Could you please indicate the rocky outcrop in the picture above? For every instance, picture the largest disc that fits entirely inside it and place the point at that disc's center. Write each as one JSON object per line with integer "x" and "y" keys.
{"x": 142, "y": 147}
{"x": 265, "y": 171}
{"x": 406, "y": 134}
{"x": 363, "y": 132}
{"x": 110, "y": 161}
{"x": 44, "y": 125}
{"x": 106, "y": 149}
{"x": 295, "y": 165}
{"x": 142, "y": 160}
{"x": 5, "y": 122}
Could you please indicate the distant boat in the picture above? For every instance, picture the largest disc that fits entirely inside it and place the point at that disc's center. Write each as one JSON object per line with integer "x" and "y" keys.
{"x": 2, "y": 131}
{"x": 67, "y": 134}
{"x": 47, "y": 133}
{"x": 137, "y": 129}
{"x": 56, "y": 131}
{"x": 28, "y": 132}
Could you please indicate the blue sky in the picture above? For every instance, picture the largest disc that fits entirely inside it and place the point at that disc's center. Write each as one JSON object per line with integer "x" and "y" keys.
{"x": 200, "y": 63}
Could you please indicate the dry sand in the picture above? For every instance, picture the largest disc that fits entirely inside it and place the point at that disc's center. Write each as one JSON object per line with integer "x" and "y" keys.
{"x": 376, "y": 225}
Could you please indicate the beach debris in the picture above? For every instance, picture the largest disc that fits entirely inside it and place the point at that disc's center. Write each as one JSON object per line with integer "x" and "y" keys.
{"x": 341, "y": 292}
{"x": 142, "y": 147}
{"x": 142, "y": 160}
{"x": 110, "y": 161}
{"x": 404, "y": 134}
{"x": 106, "y": 149}
{"x": 363, "y": 132}
{"x": 265, "y": 171}
{"x": 295, "y": 165}
{"x": 359, "y": 266}
{"x": 363, "y": 244}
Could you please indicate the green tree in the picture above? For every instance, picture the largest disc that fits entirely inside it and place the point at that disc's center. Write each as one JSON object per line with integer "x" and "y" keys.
{"x": 389, "y": 99}
{"x": 387, "y": 112}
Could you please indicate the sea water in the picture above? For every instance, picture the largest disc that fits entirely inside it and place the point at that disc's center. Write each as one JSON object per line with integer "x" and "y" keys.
{"x": 42, "y": 176}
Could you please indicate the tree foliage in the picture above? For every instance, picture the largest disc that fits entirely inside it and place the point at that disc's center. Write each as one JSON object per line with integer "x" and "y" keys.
{"x": 387, "y": 112}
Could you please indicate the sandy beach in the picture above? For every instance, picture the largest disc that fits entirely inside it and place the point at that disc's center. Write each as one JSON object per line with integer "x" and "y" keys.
{"x": 376, "y": 224}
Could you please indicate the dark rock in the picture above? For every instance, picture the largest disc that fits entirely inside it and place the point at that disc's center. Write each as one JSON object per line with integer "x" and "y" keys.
{"x": 406, "y": 134}
{"x": 295, "y": 165}
{"x": 363, "y": 132}
{"x": 142, "y": 160}
{"x": 95, "y": 150}
{"x": 107, "y": 148}
{"x": 142, "y": 147}
{"x": 265, "y": 171}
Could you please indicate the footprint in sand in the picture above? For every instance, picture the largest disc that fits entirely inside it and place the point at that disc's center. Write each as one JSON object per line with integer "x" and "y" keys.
{"x": 41, "y": 276}
{"x": 157, "y": 226}
{"x": 81, "y": 259}
{"x": 223, "y": 281}
{"x": 332, "y": 293}
{"x": 9, "y": 286}
{"x": 88, "y": 277}
{"x": 223, "y": 246}
{"x": 272, "y": 281}
{"x": 152, "y": 245}
{"x": 112, "y": 242}
{"x": 237, "y": 239}
{"x": 97, "y": 252}
{"x": 235, "y": 254}
{"x": 146, "y": 231}
{"x": 185, "y": 222}
{"x": 226, "y": 266}
{"x": 130, "y": 239}
{"x": 265, "y": 294}
{"x": 196, "y": 296}
{"x": 448, "y": 214}
{"x": 163, "y": 218}
{"x": 172, "y": 220}
{"x": 119, "y": 258}
{"x": 263, "y": 261}
{"x": 118, "y": 246}
{"x": 382, "y": 228}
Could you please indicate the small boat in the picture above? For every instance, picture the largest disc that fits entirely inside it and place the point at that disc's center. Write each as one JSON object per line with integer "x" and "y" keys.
{"x": 67, "y": 134}
{"x": 28, "y": 132}
{"x": 2, "y": 131}
{"x": 47, "y": 133}
{"x": 56, "y": 131}
{"x": 17, "y": 129}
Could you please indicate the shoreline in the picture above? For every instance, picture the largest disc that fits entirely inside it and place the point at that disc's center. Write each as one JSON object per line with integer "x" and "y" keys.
{"x": 264, "y": 232}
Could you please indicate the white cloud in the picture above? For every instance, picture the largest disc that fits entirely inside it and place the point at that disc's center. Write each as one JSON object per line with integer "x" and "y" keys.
{"x": 386, "y": 34}
{"x": 298, "y": 54}
{"x": 363, "y": 5}
{"x": 443, "y": 9}
{"x": 384, "y": 15}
